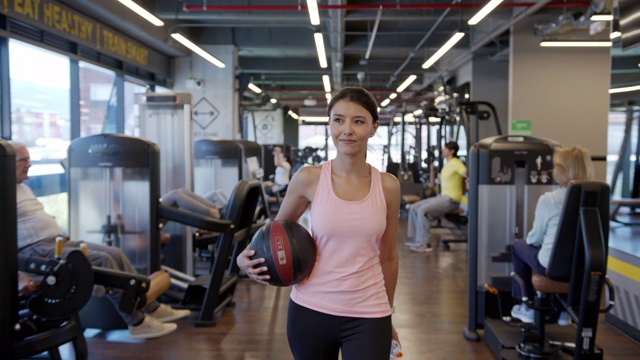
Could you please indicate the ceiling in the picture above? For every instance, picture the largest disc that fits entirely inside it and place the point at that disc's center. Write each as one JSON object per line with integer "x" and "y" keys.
{"x": 376, "y": 44}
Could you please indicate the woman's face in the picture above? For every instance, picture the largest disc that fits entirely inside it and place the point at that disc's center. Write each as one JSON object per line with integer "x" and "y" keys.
{"x": 351, "y": 126}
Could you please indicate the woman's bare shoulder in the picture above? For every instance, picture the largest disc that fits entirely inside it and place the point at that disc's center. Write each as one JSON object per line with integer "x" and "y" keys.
{"x": 389, "y": 181}
{"x": 308, "y": 173}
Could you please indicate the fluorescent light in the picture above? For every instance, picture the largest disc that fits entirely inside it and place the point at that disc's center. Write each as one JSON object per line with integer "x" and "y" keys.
{"x": 293, "y": 115}
{"x": 142, "y": 12}
{"x": 417, "y": 112}
{"x": 601, "y": 17}
{"x": 322, "y": 56}
{"x": 198, "y": 50}
{"x": 273, "y": 101}
{"x": 624, "y": 89}
{"x": 393, "y": 96}
{"x": 407, "y": 118}
{"x": 484, "y": 12}
{"x": 327, "y": 83}
{"x": 406, "y": 83}
{"x": 315, "y": 119}
{"x": 443, "y": 50}
{"x": 314, "y": 15}
{"x": 433, "y": 119}
{"x": 328, "y": 96}
{"x": 615, "y": 34}
{"x": 575, "y": 43}
{"x": 254, "y": 88}
{"x": 385, "y": 102}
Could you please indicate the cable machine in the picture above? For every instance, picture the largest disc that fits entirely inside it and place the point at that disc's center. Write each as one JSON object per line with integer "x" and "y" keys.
{"x": 166, "y": 120}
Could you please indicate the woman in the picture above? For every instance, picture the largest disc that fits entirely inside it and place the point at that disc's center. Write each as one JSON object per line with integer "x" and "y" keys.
{"x": 346, "y": 302}
{"x": 532, "y": 254}
{"x": 282, "y": 174}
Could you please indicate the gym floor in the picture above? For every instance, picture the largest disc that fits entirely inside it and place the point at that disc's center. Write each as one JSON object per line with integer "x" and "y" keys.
{"x": 431, "y": 311}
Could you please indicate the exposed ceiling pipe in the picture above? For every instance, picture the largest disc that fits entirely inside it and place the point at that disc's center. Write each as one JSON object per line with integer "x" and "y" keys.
{"x": 417, "y": 47}
{"x": 499, "y": 31}
{"x": 569, "y": 21}
{"x": 336, "y": 38}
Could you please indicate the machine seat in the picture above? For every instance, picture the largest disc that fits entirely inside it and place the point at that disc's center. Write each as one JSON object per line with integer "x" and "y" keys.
{"x": 549, "y": 286}
{"x": 575, "y": 277}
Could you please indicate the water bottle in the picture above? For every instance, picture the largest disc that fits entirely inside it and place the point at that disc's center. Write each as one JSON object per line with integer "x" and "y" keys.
{"x": 396, "y": 350}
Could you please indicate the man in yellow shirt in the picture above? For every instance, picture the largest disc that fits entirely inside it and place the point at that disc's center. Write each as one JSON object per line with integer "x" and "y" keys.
{"x": 452, "y": 178}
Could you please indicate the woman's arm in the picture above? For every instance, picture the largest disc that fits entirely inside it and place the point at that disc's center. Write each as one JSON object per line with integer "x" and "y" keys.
{"x": 299, "y": 194}
{"x": 388, "y": 243}
{"x": 540, "y": 220}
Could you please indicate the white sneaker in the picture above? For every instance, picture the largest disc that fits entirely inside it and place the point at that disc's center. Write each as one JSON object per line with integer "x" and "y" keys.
{"x": 421, "y": 248}
{"x": 523, "y": 313}
{"x": 410, "y": 243}
{"x": 564, "y": 319}
{"x": 151, "y": 328}
{"x": 165, "y": 313}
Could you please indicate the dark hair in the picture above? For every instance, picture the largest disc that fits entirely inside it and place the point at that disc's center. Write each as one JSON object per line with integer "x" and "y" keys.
{"x": 453, "y": 146}
{"x": 356, "y": 95}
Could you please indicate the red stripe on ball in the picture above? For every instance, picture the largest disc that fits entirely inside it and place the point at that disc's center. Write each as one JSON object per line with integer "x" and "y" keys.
{"x": 281, "y": 252}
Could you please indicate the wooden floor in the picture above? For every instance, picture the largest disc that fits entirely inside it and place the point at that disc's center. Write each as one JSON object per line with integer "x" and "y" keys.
{"x": 431, "y": 303}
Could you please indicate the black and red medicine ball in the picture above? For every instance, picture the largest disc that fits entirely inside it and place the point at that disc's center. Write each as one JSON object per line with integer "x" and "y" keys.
{"x": 288, "y": 249}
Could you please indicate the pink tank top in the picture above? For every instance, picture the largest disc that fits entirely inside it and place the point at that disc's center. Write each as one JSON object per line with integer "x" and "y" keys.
{"x": 347, "y": 277}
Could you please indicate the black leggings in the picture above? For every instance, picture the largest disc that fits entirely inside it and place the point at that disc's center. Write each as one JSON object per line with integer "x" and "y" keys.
{"x": 314, "y": 335}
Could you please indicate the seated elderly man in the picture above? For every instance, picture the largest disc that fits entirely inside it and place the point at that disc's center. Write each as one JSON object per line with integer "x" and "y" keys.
{"x": 37, "y": 232}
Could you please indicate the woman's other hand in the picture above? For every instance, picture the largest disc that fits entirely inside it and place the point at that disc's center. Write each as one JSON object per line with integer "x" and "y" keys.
{"x": 252, "y": 267}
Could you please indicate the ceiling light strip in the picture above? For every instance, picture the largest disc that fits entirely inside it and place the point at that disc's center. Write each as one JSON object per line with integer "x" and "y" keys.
{"x": 322, "y": 56}
{"x": 624, "y": 89}
{"x": 406, "y": 83}
{"x": 601, "y": 17}
{"x": 198, "y": 50}
{"x": 314, "y": 14}
{"x": 142, "y": 12}
{"x": 575, "y": 43}
{"x": 254, "y": 88}
{"x": 443, "y": 50}
{"x": 373, "y": 34}
{"x": 484, "y": 12}
{"x": 327, "y": 83}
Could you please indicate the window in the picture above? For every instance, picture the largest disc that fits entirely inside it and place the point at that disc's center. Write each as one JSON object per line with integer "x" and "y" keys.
{"x": 131, "y": 124}
{"x": 40, "y": 104}
{"x": 40, "y": 118}
{"x": 98, "y": 101}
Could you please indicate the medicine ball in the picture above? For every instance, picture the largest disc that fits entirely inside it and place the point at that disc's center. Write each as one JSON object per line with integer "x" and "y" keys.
{"x": 288, "y": 249}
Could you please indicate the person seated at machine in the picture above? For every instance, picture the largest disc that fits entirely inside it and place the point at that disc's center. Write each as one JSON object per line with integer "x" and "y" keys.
{"x": 37, "y": 234}
{"x": 211, "y": 204}
{"x": 532, "y": 254}
{"x": 452, "y": 178}
{"x": 280, "y": 181}
{"x": 26, "y": 284}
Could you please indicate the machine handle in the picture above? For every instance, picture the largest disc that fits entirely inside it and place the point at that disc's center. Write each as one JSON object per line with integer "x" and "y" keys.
{"x": 611, "y": 296}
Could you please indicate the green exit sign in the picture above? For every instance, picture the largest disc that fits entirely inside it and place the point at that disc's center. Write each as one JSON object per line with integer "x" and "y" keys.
{"x": 520, "y": 127}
